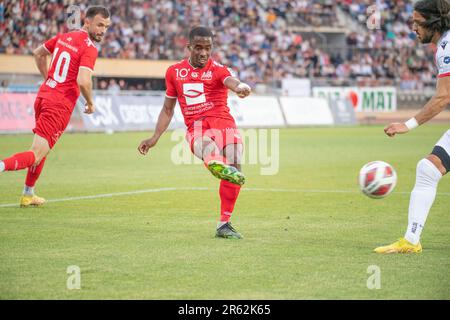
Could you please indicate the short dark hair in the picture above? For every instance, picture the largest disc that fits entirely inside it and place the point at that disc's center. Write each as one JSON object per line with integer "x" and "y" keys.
{"x": 200, "y": 32}
{"x": 95, "y": 10}
{"x": 436, "y": 14}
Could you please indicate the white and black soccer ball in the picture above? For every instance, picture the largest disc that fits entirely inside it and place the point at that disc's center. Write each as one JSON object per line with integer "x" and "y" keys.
{"x": 377, "y": 179}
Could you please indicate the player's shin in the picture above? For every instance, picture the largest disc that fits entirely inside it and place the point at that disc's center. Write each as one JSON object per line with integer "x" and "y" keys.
{"x": 19, "y": 161}
{"x": 422, "y": 198}
{"x": 229, "y": 193}
{"x": 32, "y": 176}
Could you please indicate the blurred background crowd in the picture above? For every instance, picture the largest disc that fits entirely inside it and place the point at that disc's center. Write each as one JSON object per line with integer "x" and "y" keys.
{"x": 263, "y": 41}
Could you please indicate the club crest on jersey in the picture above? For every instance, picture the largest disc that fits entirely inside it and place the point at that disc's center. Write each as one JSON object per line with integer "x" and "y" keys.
{"x": 88, "y": 42}
{"x": 447, "y": 60}
{"x": 207, "y": 75}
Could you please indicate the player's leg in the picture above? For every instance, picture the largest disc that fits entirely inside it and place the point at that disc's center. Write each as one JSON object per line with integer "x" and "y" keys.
{"x": 34, "y": 160}
{"x": 18, "y": 161}
{"x": 26, "y": 159}
{"x": 207, "y": 149}
{"x": 233, "y": 154}
{"x": 428, "y": 174}
{"x": 429, "y": 171}
{"x": 229, "y": 193}
{"x": 51, "y": 121}
{"x": 41, "y": 148}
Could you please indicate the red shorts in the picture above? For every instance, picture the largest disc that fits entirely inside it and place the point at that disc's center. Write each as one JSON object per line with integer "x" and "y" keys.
{"x": 221, "y": 130}
{"x": 51, "y": 118}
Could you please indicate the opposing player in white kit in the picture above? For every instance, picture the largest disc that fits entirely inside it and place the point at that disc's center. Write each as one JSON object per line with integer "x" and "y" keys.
{"x": 431, "y": 23}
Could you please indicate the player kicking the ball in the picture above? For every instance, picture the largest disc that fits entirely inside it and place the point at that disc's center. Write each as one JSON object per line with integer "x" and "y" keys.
{"x": 201, "y": 86}
{"x": 70, "y": 71}
{"x": 431, "y": 23}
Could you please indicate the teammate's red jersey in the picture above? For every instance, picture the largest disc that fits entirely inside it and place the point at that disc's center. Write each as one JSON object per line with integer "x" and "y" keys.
{"x": 71, "y": 51}
{"x": 200, "y": 92}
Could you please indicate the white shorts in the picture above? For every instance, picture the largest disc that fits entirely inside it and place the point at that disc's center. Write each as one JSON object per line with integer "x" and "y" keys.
{"x": 442, "y": 150}
{"x": 444, "y": 142}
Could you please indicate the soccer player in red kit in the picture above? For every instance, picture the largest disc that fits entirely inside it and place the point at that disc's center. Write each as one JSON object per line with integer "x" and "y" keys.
{"x": 70, "y": 71}
{"x": 201, "y": 86}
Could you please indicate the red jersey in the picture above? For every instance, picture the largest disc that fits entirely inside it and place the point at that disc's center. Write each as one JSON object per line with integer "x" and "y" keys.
{"x": 200, "y": 92}
{"x": 71, "y": 51}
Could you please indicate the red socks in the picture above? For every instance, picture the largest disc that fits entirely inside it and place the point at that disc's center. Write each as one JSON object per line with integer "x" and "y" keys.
{"x": 33, "y": 173}
{"x": 229, "y": 193}
{"x": 19, "y": 161}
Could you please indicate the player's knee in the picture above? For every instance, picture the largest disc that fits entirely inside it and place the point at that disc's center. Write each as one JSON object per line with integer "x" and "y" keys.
{"x": 209, "y": 147}
{"x": 39, "y": 153}
{"x": 427, "y": 172}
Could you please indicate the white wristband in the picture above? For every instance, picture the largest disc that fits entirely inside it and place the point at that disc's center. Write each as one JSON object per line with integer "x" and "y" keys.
{"x": 411, "y": 123}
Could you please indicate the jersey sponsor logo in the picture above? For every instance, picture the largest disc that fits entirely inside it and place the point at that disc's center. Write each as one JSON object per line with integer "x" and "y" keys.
{"x": 194, "y": 93}
{"x": 207, "y": 75}
{"x": 69, "y": 39}
{"x": 194, "y": 74}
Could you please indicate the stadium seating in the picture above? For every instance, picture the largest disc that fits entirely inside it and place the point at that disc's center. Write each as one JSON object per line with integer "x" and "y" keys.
{"x": 255, "y": 38}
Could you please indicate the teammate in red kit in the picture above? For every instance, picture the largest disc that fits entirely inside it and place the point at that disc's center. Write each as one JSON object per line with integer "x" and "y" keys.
{"x": 201, "y": 86}
{"x": 70, "y": 71}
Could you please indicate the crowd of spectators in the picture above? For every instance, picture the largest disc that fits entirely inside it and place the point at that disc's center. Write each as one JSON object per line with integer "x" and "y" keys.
{"x": 390, "y": 50}
{"x": 260, "y": 39}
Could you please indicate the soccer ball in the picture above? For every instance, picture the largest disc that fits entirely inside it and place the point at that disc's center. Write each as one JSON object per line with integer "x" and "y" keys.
{"x": 377, "y": 179}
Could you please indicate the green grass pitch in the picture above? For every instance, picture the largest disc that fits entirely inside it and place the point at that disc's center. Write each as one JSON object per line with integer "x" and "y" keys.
{"x": 309, "y": 232}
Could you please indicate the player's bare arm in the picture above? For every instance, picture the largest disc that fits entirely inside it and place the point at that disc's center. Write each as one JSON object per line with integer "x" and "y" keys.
{"x": 84, "y": 81}
{"x": 165, "y": 116}
{"x": 40, "y": 57}
{"x": 240, "y": 88}
{"x": 437, "y": 103}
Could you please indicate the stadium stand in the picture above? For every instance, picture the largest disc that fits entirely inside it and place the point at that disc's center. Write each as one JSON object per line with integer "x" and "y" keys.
{"x": 258, "y": 39}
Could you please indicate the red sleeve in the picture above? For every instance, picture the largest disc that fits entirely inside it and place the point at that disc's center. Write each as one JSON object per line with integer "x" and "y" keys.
{"x": 88, "y": 58}
{"x": 171, "y": 91}
{"x": 225, "y": 73}
{"x": 49, "y": 45}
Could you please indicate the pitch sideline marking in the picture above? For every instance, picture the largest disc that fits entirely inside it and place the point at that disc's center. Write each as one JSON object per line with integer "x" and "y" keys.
{"x": 128, "y": 193}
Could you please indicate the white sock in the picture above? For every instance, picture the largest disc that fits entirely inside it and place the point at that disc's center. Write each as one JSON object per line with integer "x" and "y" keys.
{"x": 28, "y": 191}
{"x": 422, "y": 198}
{"x": 2, "y": 166}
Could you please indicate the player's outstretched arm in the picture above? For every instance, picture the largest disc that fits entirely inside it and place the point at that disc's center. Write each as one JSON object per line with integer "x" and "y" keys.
{"x": 240, "y": 88}
{"x": 165, "y": 116}
{"x": 84, "y": 81}
{"x": 437, "y": 103}
{"x": 40, "y": 57}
